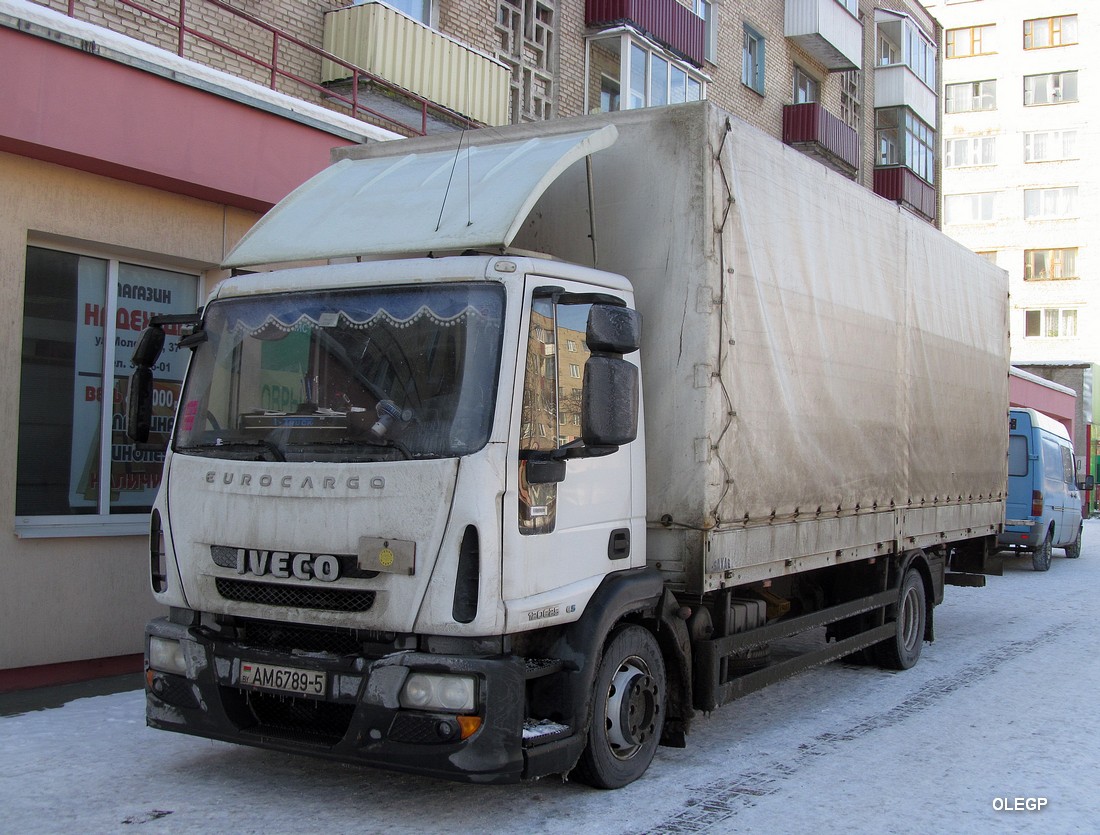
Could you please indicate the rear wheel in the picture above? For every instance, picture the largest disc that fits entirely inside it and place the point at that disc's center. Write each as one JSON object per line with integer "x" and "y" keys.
{"x": 903, "y": 650}
{"x": 628, "y": 711}
{"x": 1040, "y": 557}
{"x": 1073, "y": 550}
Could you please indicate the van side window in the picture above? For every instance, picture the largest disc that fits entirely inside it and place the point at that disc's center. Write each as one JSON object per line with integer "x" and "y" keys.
{"x": 1017, "y": 455}
{"x": 1067, "y": 466}
{"x": 1052, "y": 459}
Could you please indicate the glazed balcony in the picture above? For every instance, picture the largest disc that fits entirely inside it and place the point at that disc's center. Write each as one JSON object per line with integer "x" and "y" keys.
{"x": 902, "y": 186}
{"x": 815, "y": 131}
{"x": 666, "y": 21}
{"x": 897, "y": 85}
{"x": 826, "y": 30}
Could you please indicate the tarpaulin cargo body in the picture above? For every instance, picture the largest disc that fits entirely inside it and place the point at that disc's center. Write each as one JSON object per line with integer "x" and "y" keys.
{"x": 824, "y": 375}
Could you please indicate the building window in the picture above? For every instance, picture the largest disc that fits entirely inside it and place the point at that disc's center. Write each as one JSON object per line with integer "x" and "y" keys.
{"x": 970, "y": 40}
{"x": 1050, "y": 264}
{"x": 707, "y": 10}
{"x": 1051, "y": 323}
{"x": 1044, "y": 32}
{"x": 852, "y": 6}
{"x": 970, "y": 96}
{"x": 805, "y": 86}
{"x": 75, "y": 465}
{"x": 752, "y": 60}
{"x": 1050, "y": 88}
{"x": 968, "y": 208}
{"x": 903, "y": 139}
{"x": 851, "y": 98}
{"x": 970, "y": 151}
{"x": 1050, "y": 145}
{"x": 653, "y": 77}
{"x": 420, "y": 10}
{"x": 1050, "y": 203}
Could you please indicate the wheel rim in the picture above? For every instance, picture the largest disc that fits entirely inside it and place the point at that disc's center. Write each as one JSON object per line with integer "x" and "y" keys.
{"x": 909, "y": 622}
{"x": 632, "y": 708}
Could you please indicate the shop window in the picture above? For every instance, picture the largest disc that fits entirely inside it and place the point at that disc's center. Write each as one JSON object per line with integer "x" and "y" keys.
{"x": 76, "y": 471}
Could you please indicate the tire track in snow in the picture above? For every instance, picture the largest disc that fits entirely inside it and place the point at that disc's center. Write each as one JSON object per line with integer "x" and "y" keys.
{"x": 720, "y": 800}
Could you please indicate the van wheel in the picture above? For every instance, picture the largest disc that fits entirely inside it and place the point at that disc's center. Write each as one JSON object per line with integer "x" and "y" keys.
{"x": 903, "y": 650}
{"x": 628, "y": 711}
{"x": 1073, "y": 550}
{"x": 1040, "y": 557}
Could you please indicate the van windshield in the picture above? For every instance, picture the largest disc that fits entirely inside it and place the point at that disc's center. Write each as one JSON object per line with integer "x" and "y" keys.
{"x": 352, "y": 375}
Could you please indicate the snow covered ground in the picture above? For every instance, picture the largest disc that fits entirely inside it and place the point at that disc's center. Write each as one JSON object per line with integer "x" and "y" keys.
{"x": 1000, "y": 711}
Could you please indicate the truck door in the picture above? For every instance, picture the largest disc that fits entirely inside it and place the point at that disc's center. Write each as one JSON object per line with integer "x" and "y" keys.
{"x": 561, "y": 534}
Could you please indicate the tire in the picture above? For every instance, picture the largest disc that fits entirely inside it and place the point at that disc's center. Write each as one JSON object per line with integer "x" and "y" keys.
{"x": 903, "y": 650}
{"x": 1040, "y": 557}
{"x": 1073, "y": 550}
{"x": 628, "y": 711}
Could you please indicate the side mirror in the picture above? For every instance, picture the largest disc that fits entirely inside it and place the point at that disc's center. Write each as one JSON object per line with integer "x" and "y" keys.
{"x": 148, "y": 347}
{"x": 545, "y": 471}
{"x": 139, "y": 405}
{"x": 613, "y": 329}
{"x": 1088, "y": 483}
{"x": 609, "y": 405}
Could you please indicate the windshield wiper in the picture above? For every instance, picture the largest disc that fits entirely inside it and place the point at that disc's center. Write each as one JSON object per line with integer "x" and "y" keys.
{"x": 220, "y": 443}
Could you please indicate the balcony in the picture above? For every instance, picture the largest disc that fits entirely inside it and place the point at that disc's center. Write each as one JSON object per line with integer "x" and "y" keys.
{"x": 898, "y": 86}
{"x": 416, "y": 58}
{"x": 818, "y": 133}
{"x": 902, "y": 186}
{"x": 826, "y": 31}
{"x": 668, "y": 22}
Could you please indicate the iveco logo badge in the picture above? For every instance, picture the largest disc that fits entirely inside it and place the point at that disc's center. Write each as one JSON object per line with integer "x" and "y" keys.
{"x": 285, "y": 565}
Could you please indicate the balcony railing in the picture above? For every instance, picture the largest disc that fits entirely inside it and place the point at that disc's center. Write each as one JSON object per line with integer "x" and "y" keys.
{"x": 814, "y": 130}
{"x": 826, "y": 30}
{"x": 899, "y": 184}
{"x": 414, "y": 57}
{"x": 273, "y": 64}
{"x": 666, "y": 21}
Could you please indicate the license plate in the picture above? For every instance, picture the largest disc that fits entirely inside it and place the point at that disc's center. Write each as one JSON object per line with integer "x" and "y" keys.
{"x": 283, "y": 679}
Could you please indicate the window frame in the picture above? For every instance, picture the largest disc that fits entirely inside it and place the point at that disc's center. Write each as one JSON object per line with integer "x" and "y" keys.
{"x": 1040, "y": 319}
{"x": 1055, "y": 30}
{"x": 1052, "y": 137}
{"x": 753, "y": 59}
{"x": 1062, "y": 264}
{"x": 104, "y": 522}
{"x": 977, "y": 38}
{"x": 977, "y": 92}
{"x": 976, "y": 146}
{"x": 979, "y": 199}
{"x": 1055, "y": 81}
{"x": 1056, "y": 194}
{"x": 635, "y": 90}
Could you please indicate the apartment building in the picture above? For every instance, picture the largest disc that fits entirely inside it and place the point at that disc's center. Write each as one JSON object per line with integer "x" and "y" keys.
{"x": 143, "y": 137}
{"x": 1019, "y": 183}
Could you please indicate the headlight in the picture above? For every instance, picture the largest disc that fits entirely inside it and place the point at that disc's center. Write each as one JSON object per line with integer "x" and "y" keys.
{"x": 166, "y": 656}
{"x": 430, "y": 691}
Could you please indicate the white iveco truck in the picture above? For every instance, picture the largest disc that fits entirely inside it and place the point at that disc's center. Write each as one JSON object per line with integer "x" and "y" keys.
{"x": 567, "y": 429}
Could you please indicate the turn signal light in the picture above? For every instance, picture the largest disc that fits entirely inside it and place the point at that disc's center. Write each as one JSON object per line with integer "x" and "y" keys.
{"x": 468, "y": 725}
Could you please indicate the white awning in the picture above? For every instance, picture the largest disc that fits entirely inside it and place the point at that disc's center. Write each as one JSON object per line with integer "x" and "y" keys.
{"x": 437, "y": 201}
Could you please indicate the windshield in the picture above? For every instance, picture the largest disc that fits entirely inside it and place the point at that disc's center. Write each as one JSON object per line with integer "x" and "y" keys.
{"x": 360, "y": 375}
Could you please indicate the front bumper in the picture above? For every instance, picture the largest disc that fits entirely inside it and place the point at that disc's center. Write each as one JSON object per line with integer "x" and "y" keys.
{"x": 360, "y": 720}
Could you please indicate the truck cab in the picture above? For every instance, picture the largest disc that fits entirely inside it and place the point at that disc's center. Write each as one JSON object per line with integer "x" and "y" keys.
{"x": 1043, "y": 510}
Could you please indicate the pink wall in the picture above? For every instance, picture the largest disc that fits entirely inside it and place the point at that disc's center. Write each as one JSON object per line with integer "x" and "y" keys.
{"x": 72, "y": 108}
{"x": 1025, "y": 394}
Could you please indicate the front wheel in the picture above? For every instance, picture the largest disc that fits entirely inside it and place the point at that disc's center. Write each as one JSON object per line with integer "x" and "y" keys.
{"x": 903, "y": 650}
{"x": 1040, "y": 557}
{"x": 1073, "y": 550}
{"x": 628, "y": 711}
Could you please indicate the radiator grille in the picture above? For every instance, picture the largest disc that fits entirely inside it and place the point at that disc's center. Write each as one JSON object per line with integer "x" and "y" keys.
{"x": 298, "y": 597}
{"x": 288, "y": 638}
